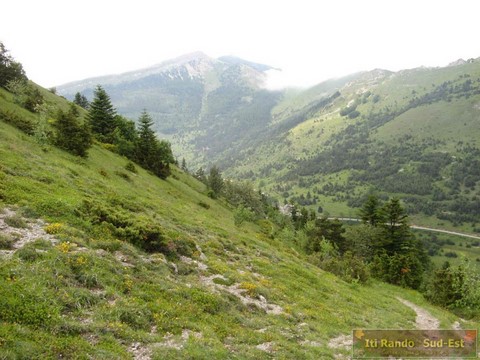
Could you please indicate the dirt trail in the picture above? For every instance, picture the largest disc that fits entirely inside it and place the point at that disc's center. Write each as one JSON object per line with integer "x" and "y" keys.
{"x": 424, "y": 319}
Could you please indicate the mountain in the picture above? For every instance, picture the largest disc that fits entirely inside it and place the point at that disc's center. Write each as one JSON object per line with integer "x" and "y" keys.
{"x": 412, "y": 133}
{"x": 101, "y": 259}
{"x": 77, "y": 281}
{"x": 193, "y": 96}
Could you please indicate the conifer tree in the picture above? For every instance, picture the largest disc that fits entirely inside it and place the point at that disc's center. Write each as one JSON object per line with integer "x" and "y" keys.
{"x": 184, "y": 165}
{"x": 81, "y": 100}
{"x": 200, "y": 175}
{"x": 370, "y": 212}
{"x": 71, "y": 135}
{"x": 152, "y": 154}
{"x": 101, "y": 116}
{"x": 215, "y": 181}
{"x": 397, "y": 233}
{"x": 147, "y": 142}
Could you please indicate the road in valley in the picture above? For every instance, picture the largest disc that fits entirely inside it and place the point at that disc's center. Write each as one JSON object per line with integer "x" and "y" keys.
{"x": 419, "y": 228}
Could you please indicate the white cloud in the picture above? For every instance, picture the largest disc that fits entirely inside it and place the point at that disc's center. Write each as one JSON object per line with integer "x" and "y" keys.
{"x": 60, "y": 41}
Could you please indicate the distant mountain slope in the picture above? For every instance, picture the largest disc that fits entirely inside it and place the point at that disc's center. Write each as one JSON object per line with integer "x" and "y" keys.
{"x": 413, "y": 133}
{"x": 201, "y": 102}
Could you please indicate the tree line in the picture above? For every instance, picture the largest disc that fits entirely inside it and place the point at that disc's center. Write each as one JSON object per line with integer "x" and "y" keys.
{"x": 137, "y": 143}
{"x": 72, "y": 132}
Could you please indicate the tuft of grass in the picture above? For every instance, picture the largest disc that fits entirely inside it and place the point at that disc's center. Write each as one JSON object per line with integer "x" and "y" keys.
{"x": 16, "y": 221}
{"x": 6, "y": 242}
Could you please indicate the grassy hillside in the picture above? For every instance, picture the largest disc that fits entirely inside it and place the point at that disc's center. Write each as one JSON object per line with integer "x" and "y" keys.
{"x": 77, "y": 283}
{"x": 412, "y": 134}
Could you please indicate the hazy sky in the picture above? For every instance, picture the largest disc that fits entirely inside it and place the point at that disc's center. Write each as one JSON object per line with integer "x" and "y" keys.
{"x": 59, "y": 41}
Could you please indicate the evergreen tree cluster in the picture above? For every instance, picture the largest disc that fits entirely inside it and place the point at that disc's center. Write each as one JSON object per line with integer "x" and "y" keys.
{"x": 137, "y": 144}
{"x": 81, "y": 100}
{"x": 10, "y": 69}
{"x": 383, "y": 246}
{"x": 71, "y": 134}
{"x": 456, "y": 288}
{"x": 396, "y": 256}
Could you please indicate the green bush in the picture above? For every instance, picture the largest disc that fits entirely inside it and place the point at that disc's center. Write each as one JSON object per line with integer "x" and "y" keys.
{"x": 348, "y": 267}
{"x": 206, "y": 301}
{"x": 28, "y": 253}
{"x": 143, "y": 233}
{"x": 242, "y": 214}
{"x": 133, "y": 314}
{"x": 72, "y": 135}
{"x": 130, "y": 166}
{"x": 456, "y": 288}
{"x": 123, "y": 175}
{"x": 25, "y": 94}
{"x": 53, "y": 207}
{"x": 204, "y": 205}
{"x": 400, "y": 269}
{"x": 20, "y": 122}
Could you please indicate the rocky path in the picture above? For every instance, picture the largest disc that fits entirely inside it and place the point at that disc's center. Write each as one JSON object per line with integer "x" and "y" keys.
{"x": 29, "y": 231}
{"x": 424, "y": 319}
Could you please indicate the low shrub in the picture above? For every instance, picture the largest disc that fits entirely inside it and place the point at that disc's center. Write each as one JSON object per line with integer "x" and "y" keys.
{"x": 139, "y": 232}
{"x": 53, "y": 228}
{"x": 242, "y": 214}
{"x": 206, "y": 301}
{"x": 123, "y": 175}
{"x": 53, "y": 207}
{"x": 6, "y": 242}
{"x": 20, "y": 122}
{"x": 16, "y": 221}
{"x": 204, "y": 205}
{"x": 130, "y": 166}
{"x": 451, "y": 254}
{"x": 28, "y": 253}
{"x": 251, "y": 289}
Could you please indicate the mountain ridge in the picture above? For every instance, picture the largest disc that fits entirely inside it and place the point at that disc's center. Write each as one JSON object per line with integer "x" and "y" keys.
{"x": 227, "y": 118}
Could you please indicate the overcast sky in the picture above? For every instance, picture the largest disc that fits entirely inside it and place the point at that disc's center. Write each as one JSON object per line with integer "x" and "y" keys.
{"x": 59, "y": 41}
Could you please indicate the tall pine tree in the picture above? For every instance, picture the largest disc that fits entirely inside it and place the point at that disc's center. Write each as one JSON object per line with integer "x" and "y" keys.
{"x": 152, "y": 154}
{"x": 370, "y": 212}
{"x": 146, "y": 147}
{"x": 397, "y": 235}
{"x": 215, "y": 181}
{"x": 101, "y": 116}
{"x": 81, "y": 100}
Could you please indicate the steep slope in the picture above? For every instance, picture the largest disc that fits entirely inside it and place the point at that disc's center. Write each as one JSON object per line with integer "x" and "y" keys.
{"x": 88, "y": 290}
